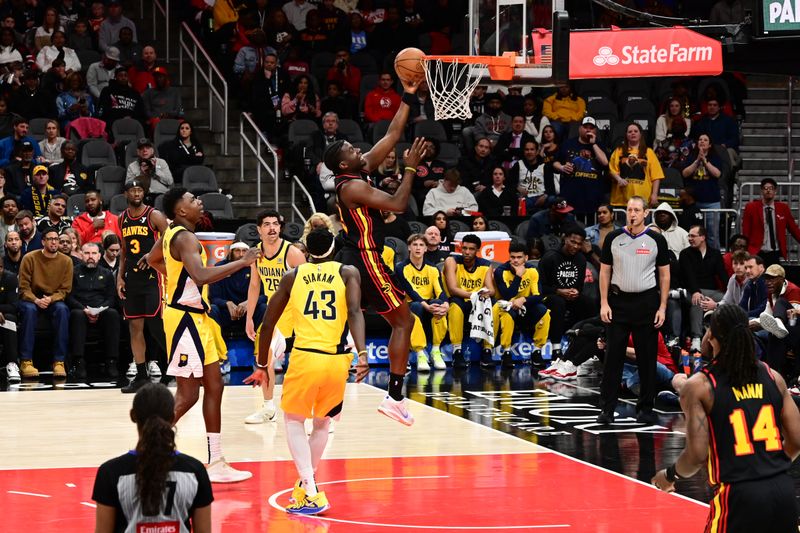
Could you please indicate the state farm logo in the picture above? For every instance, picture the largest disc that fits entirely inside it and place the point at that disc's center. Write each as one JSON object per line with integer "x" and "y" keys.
{"x": 605, "y": 56}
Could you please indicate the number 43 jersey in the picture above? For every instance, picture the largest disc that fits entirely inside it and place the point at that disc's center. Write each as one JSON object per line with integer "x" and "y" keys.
{"x": 745, "y": 439}
{"x": 320, "y": 308}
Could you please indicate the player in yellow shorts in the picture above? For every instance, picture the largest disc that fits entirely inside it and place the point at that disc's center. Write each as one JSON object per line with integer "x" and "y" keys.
{"x": 277, "y": 257}
{"x": 464, "y": 275}
{"x": 194, "y": 341}
{"x": 518, "y": 286}
{"x": 325, "y": 299}
{"x": 423, "y": 287}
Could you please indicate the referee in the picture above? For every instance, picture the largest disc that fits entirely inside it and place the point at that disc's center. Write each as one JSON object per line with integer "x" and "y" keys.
{"x": 631, "y": 304}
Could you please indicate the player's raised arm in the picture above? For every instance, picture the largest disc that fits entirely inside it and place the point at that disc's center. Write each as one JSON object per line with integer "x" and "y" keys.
{"x": 394, "y": 133}
{"x": 185, "y": 247}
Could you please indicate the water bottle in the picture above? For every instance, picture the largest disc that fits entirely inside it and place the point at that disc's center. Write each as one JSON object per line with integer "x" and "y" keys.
{"x": 522, "y": 207}
{"x": 306, "y": 160}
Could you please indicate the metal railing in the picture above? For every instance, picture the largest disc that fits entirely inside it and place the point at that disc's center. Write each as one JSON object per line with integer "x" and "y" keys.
{"x": 212, "y": 76}
{"x": 262, "y": 166}
{"x": 163, "y": 10}
{"x": 296, "y": 210}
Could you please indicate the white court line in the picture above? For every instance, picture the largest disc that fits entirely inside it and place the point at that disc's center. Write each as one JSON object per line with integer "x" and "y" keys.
{"x": 28, "y": 494}
{"x": 629, "y": 402}
{"x": 273, "y": 501}
{"x": 89, "y": 504}
{"x": 548, "y": 450}
{"x": 71, "y": 485}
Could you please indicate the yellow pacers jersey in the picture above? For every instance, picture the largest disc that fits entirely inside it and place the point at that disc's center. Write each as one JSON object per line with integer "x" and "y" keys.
{"x": 182, "y": 292}
{"x": 424, "y": 282}
{"x": 320, "y": 308}
{"x": 272, "y": 269}
{"x": 528, "y": 285}
{"x": 471, "y": 280}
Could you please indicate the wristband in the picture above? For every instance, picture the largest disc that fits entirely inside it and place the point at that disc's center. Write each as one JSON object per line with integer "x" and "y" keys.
{"x": 411, "y": 169}
{"x": 409, "y": 99}
{"x": 262, "y": 367}
{"x": 672, "y": 474}
{"x": 362, "y": 352}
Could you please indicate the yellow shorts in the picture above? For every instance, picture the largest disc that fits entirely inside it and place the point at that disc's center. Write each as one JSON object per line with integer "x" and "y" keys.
{"x": 314, "y": 384}
{"x": 193, "y": 340}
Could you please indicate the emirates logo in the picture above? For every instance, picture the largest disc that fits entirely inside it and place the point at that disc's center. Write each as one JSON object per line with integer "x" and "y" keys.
{"x": 605, "y": 56}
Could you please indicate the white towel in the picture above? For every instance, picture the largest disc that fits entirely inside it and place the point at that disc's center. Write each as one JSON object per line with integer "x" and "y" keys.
{"x": 505, "y": 305}
{"x": 481, "y": 326}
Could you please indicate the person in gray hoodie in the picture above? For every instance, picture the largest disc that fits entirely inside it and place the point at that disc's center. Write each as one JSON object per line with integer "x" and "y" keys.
{"x": 664, "y": 218}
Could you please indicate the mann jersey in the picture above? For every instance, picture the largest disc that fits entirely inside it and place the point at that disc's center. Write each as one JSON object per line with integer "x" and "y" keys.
{"x": 363, "y": 226}
{"x": 319, "y": 307}
{"x": 271, "y": 269}
{"x": 182, "y": 292}
{"x": 471, "y": 280}
{"x": 745, "y": 441}
{"x": 187, "y": 488}
{"x": 511, "y": 286}
{"x": 139, "y": 236}
{"x": 420, "y": 284}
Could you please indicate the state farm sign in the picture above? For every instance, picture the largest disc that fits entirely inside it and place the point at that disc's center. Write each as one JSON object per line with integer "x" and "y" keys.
{"x": 619, "y": 53}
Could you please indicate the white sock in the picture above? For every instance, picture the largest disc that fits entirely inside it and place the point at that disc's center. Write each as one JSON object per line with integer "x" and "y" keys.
{"x": 301, "y": 452}
{"x": 456, "y": 347}
{"x": 319, "y": 440}
{"x": 556, "y": 345}
{"x": 435, "y": 348}
{"x": 214, "y": 446}
{"x": 269, "y": 404}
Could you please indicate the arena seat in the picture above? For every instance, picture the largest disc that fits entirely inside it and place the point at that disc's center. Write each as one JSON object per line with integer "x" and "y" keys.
{"x": 97, "y": 152}
{"x": 166, "y": 129}
{"x": 300, "y": 132}
{"x": 109, "y": 180}
{"x": 417, "y": 226}
{"x": 400, "y": 249}
{"x": 126, "y": 130}
{"x": 118, "y": 204}
{"x": 292, "y": 231}
{"x": 351, "y": 130}
{"x": 378, "y": 131}
{"x": 76, "y": 200}
{"x": 456, "y": 226}
{"x": 248, "y": 233}
{"x": 496, "y": 225}
{"x": 430, "y": 129}
{"x": 200, "y": 179}
{"x": 37, "y": 127}
{"x": 217, "y": 204}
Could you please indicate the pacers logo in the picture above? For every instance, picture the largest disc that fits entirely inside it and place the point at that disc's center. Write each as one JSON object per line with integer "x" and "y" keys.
{"x": 183, "y": 360}
{"x": 605, "y": 56}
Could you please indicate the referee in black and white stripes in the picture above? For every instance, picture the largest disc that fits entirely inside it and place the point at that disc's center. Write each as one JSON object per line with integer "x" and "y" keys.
{"x": 633, "y": 300}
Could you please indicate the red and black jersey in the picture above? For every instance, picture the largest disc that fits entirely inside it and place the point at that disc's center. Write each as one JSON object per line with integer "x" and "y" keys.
{"x": 745, "y": 437}
{"x": 363, "y": 226}
{"x": 139, "y": 236}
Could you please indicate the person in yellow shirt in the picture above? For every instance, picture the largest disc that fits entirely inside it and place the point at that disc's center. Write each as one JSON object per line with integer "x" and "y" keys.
{"x": 563, "y": 107}
{"x": 464, "y": 275}
{"x": 423, "y": 287}
{"x": 518, "y": 285}
{"x": 634, "y": 169}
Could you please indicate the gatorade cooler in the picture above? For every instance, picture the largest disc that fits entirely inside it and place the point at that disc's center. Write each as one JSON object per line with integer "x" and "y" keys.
{"x": 216, "y": 245}
{"x": 494, "y": 244}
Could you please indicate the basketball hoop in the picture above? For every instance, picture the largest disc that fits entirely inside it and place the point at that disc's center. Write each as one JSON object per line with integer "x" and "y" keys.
{"x": 452, "y": 79}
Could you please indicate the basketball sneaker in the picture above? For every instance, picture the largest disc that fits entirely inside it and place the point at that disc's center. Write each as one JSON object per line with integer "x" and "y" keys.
{"x": 422, "y": 363}
{"x": 135, "y": 385}
{"x": 566, "y": 371}
{"x": 58, "y": 370}
{"x": 438, "y": 362}
{"x": 310, "y": 505}
{"x": 153, "y": 369}
{"x": 27, "y": 369}
{"x": 265, "y": 414}
{"x": 221, "y": 472}
{"x": 131, "y": 372}
{"x": 396, "y": 410}
{"x": 554, "y": 365}
{"x": 773, "y": 325}
{"x": 536, "y": 359}
{"x": 458, "y": 359}
{"x": 298, "y": 492}
{"x": 486, "y": 358}
{"x": 590, "y": 367}
{"x": 12, "y": 372}
{"x": 506, "y": 361}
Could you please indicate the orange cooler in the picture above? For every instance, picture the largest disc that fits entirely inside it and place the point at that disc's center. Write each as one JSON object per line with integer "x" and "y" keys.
{"x": 216, "y": 245}
{"x": 494, "y": 244}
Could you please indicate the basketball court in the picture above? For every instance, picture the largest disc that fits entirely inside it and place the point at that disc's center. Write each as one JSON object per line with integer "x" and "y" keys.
{"x": 470, "y": 463}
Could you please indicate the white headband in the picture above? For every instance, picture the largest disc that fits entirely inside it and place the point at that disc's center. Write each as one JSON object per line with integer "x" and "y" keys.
{"x": 326, "y": 254}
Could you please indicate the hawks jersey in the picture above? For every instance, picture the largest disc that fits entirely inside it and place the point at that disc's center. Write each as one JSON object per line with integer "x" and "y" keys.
{"x": 471, "y": 280}
{"x": 139, "y": 236}
{"x": 745, "y": 441}
{"x": 420, "y": 284}
{"x": 182, "y": 291}
{"x": 319, "y": 304}
{"x": 272, "y": 269}
{"x": 510, "y": 286}
{"x": 363, "y": 226}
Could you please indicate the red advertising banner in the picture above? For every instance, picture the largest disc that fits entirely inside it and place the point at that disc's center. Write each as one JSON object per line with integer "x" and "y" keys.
{"x": 620, "y": 53}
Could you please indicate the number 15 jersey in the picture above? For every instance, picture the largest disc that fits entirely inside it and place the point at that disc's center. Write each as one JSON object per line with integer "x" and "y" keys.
{"x": 319, "y": 304}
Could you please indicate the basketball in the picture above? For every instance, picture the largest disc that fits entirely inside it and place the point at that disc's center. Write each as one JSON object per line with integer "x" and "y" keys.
{"x": 408, "y": 65}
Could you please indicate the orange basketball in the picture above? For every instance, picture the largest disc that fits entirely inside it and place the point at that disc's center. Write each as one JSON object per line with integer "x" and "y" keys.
{"x": 408, "y": 65}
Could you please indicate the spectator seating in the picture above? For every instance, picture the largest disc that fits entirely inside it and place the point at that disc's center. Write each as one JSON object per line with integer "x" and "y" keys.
{"x": 365, "y": 63}
{"x": 87, "y": 57}
{"x": 417, "y": 226}
{"x": 593, "y": 89}
{"x": 368, "y": 82}
{"x": 158, "y": 202}
{"x": 293, "y": 231}
{"x": 351, "y": 130}
{"x": 364, "y": 146}
{"x": 723, "y": 85}
{"x": 378, "y": 130}
{"x": 496, "y": 225}
{"x": 320, "y": 63}
{"x": 200, "y": 179}
{"x": 300, "y": 132}
{"x": 449, "y": 154}
{"x": 97, "y": 152}
{"x": 400, "y": 249}
{"x": 522, "y": 229}
{"x": 126, "y": 130}
{"x": 430, "y": 129}
{"x": 604, "y": 111}
{"x": 118, "y": 204}
{"x": 217, "y": 204}
{"x": 412, "y": 207}
{"x": 165, "y": 130}
{"x": 36, "y": 128}
{"x": 632, "y": 89}
{"x": 76, "y": 200}
{"x": 109, "y": 180}
{"x": 663, "y": 89}
{"x": 643, "y": 112}
{"x": 456, "y": 226}
{"x": 672, "y": 182}
{"x": 248, "y": 233}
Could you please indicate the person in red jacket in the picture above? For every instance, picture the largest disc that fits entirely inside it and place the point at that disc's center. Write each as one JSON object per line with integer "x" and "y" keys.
{"x": 383, "y": 101}
{"x": 349, "y": 76}
{"x": 765, "y": 223}
{"x": 94, "y": 223}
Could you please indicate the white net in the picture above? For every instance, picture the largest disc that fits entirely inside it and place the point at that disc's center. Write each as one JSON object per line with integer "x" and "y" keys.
{"x": 451, "y": 85}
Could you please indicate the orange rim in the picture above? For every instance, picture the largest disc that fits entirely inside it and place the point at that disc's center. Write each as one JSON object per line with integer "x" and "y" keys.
{"x": 500, "y": 67}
